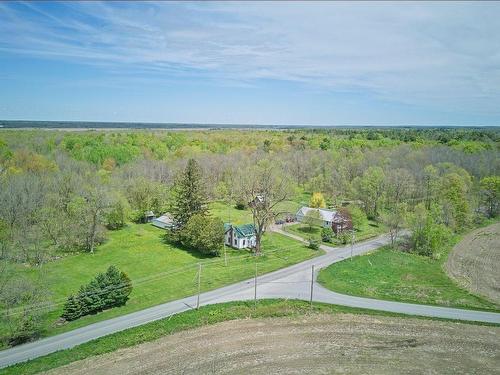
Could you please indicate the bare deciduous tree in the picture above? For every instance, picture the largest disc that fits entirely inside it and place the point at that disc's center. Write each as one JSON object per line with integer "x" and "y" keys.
{"x": 264, "y": 187}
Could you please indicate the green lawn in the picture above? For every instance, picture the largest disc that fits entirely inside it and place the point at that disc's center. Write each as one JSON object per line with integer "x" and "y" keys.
{"x": 368, "y": 230}
{"x": 231, "y": 214}
{"x": 160, "y": 272}
{"x": 394, "y": 275}
{"x": 191, "y": 319}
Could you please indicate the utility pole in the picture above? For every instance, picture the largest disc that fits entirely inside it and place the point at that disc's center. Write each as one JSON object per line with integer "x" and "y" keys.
{"x": 255, "y": 285}
{"x": 225, "y": 257}
{"x": 199, "y": 287}
{"x": 352, "y": 242}
{"x": 312, "y": 285}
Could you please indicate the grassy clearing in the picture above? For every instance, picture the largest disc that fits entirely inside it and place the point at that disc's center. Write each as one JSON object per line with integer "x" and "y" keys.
{"x": 394, "y": 275}
{"x": 230, "y": 214}
{"x": 191, "y": 319}
{"x": 368, "y": 230}
{"x": 160, "y": 272}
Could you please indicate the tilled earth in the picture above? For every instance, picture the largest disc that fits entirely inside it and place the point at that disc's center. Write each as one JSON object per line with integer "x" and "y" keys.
{"x": 475, "y": 262}
{"x": 313, "y": 344}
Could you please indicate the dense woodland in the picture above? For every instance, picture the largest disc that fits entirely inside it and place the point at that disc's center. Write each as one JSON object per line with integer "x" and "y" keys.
{"x": 61, "y": 192}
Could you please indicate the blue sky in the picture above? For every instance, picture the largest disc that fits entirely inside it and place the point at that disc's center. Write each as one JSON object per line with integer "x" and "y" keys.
{"x": 324, "y": 63}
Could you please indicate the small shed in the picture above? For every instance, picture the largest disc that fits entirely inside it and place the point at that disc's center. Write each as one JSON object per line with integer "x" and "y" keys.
{"x": 149, "y": 216}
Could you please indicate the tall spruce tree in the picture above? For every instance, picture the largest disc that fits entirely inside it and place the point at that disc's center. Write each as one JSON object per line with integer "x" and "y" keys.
{"x": 189, "y": 195}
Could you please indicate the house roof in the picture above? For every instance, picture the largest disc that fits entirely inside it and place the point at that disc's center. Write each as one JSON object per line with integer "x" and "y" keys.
{"x": 166, "y": 219}
{"x": 325, "y": 214}
{"x": 241, "y": 231}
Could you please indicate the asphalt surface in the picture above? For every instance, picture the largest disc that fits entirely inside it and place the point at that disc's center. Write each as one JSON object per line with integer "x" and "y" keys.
{"x": 293, "y": 282}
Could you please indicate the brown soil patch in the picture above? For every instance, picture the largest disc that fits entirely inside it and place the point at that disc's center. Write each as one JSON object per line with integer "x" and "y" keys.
{"x": 315, "y": 344}
{"x": 475, "y": 262}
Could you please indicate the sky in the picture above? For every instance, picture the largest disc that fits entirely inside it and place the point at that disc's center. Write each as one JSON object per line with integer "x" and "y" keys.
{"x": 283, "y": 63}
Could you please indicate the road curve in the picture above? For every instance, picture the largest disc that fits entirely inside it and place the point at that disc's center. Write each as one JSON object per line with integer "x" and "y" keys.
{"x": 293, "y": 282}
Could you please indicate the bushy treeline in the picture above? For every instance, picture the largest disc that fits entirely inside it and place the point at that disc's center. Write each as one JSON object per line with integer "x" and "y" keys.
{"x": 107, "y": 290}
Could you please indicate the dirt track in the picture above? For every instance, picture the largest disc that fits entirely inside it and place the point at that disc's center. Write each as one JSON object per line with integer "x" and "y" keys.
{"x": 475, "y": 262}
{"x": 316, "y": 344}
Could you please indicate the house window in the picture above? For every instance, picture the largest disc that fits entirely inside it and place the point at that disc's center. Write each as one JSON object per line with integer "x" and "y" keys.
{"x": 244, "y": 242}
{"x": 235, "y": 241}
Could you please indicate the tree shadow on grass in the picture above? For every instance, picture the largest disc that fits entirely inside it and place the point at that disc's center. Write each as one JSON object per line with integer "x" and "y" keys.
{"x": 194, "y": 252}
{"x": 308, "y": 230}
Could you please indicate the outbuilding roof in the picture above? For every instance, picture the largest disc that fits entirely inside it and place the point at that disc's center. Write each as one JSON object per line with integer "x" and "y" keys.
{"x": 325, "y": 214}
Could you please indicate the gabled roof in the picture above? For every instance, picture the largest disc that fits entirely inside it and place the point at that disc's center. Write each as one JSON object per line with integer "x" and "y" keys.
{"x": 241, "y": 231}
{"x": 165, "y": 218}
{"x": 325, "y": 214}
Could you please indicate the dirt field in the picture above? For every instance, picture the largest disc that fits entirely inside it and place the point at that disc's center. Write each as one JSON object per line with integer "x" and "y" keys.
{"x": 316, "y": 344}
{"x": 475, "y": 262}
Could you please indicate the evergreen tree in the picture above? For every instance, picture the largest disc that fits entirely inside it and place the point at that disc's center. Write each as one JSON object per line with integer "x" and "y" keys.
{"x": 125, "y": 289}
{"x": 105, "y": 287}
{"x": 90, "y": 298}
{"x": 72, "y": 309}
{"x": 118, "y": 288}
{"x": 189, "y": 195}
{"x": 108, "y": 289}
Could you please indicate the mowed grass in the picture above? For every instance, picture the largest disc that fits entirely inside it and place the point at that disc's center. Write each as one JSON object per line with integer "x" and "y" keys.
{"x": 160, "y": 272}
{"x": 394, "y": 275}
{"x": 230, "y": 214}
{"x": 366, "y": 231}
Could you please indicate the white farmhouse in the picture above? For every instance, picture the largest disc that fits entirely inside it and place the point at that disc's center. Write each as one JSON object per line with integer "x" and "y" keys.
{"x": 239, "y": 237}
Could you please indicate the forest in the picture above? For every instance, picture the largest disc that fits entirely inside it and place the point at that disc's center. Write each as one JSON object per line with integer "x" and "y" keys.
{"x": 63, "y": 194}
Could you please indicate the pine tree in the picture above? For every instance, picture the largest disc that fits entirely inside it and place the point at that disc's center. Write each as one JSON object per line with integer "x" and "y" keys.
{"x": 125, "y": 289}
{"x": 90, "y": 298}
{"x": 113, "y": 290}
{"x": 105, "y": 287}
{"x": 189, "y": 195}
{"x": 108, "y": 289}
{"x": 72, "y": 310}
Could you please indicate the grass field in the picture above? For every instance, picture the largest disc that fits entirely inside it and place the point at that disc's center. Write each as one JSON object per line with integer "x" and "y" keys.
{"x": 231, "y": 214}
{"x": 394, "y": 275}
{"x": 368, "y": 230}
{"x": 160, "y": 272}
{"x": 191, "y": 319}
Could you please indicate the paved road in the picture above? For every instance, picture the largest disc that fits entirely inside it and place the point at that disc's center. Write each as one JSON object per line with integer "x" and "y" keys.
{"x": 293, "y": 282}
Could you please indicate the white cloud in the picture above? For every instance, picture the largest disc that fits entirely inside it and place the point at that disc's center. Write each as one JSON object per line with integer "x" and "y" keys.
{"x": 436, "y": 54}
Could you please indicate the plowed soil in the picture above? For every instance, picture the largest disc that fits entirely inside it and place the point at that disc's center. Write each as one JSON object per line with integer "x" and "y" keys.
{"x": 314, "y": 344}
{"x": 475, "y": 262}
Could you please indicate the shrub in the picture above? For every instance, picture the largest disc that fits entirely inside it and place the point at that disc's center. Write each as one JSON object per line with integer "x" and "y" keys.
{"x": 313, "y": 244}
{"x": 327, "y": 234}
{"x": 344, "y": 236}
{"x": 241, "y": 205}
{"x": 107, "y": 290}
